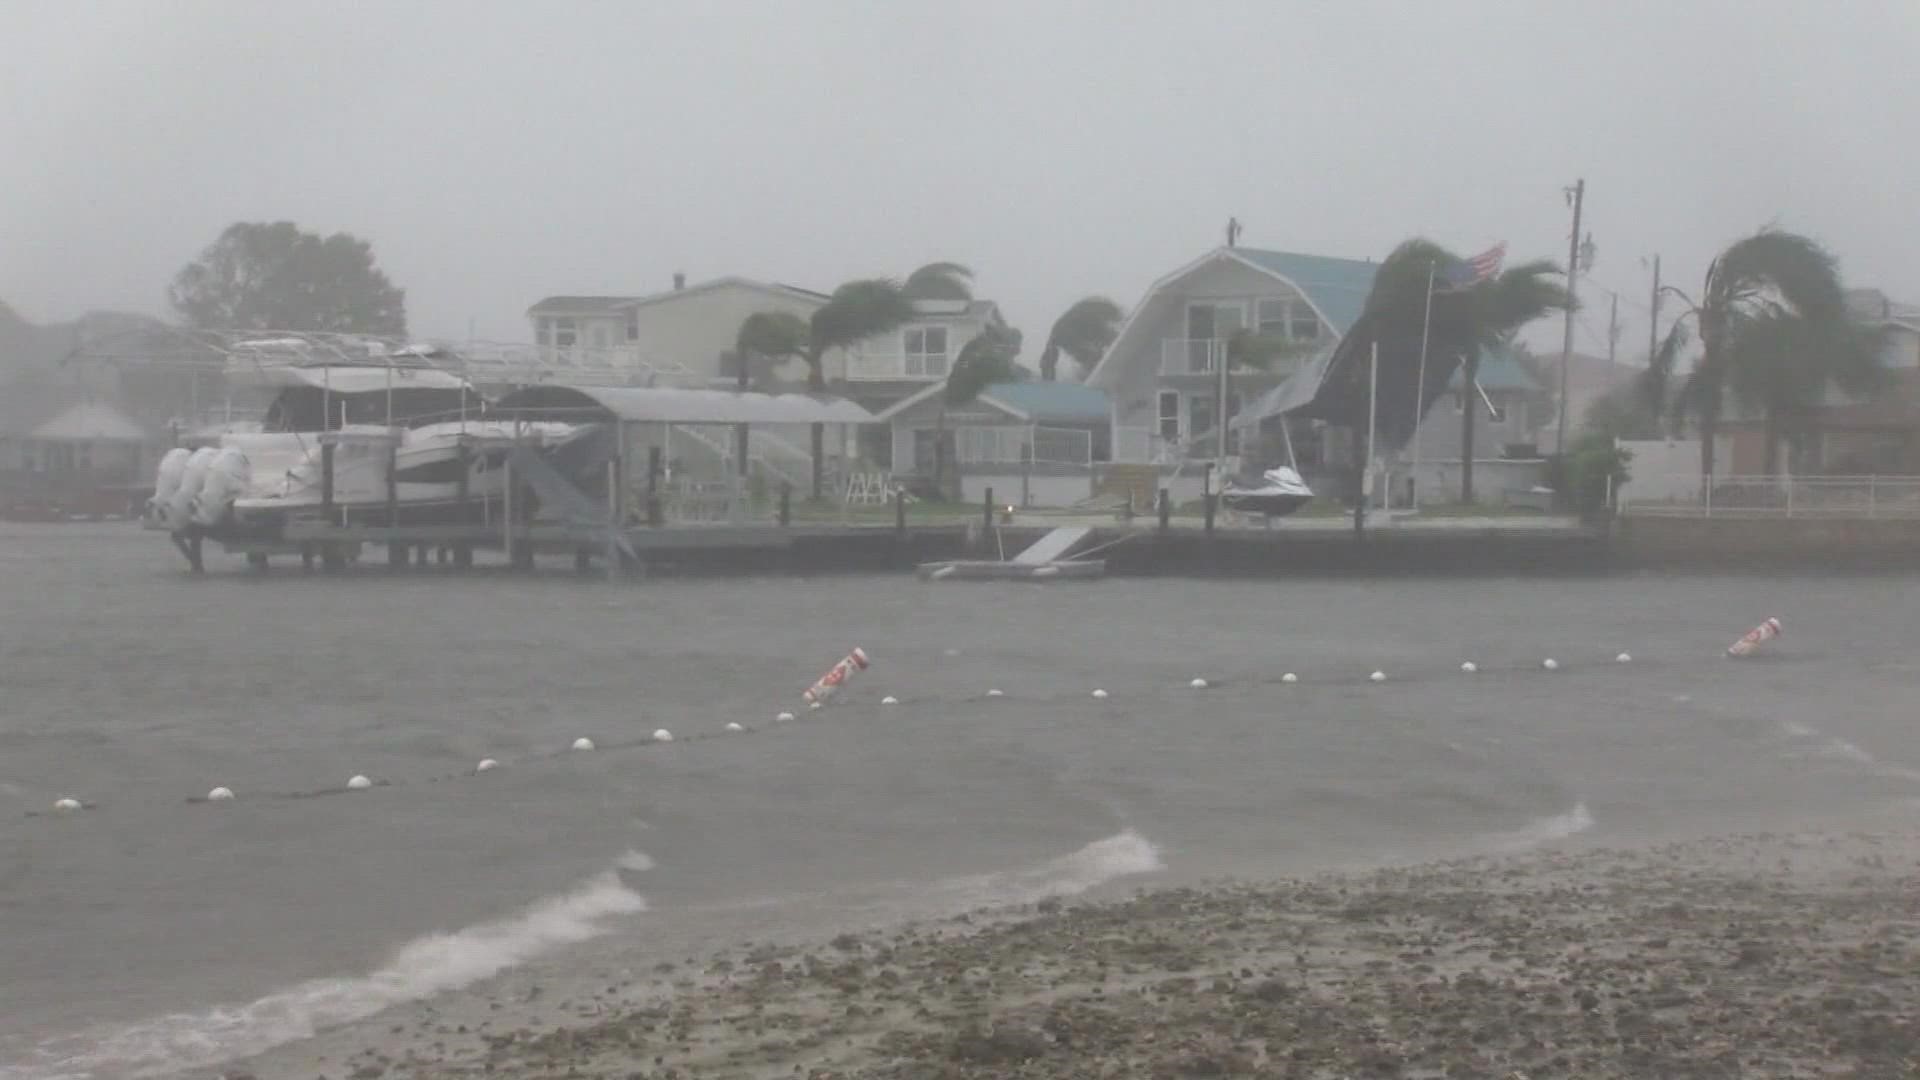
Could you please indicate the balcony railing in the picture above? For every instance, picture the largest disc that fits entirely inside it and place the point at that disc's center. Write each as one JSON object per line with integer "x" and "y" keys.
{"x": 1192, "y": 356}
{"x": 868, "y": 365}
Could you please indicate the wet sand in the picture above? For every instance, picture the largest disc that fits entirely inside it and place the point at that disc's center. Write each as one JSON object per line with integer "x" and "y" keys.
{"x": 1765, "y": 955}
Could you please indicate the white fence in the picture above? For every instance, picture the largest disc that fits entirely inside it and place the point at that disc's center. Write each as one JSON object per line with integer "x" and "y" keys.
{"x": 1771, "y": 496}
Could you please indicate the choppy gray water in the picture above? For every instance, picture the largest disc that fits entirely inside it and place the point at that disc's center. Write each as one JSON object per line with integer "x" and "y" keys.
{"x": 151, "y": 931}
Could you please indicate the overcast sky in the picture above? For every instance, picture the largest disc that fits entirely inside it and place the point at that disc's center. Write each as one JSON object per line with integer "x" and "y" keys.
{"x": 498, "y": 152}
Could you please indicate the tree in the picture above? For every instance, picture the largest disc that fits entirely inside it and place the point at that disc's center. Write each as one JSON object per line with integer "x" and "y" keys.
{"x": 764, "y": 339}
{"x": 856, "y": 311}
{"x": 261, "y": 276}
{"x": 1466, "y": 320}
{"x": 940, "y": 281}
{"x": 983, "y": 361}
{"x": 1083, "y": 333}
{"x": 1773, "y": 326}
{"x": 1623, "y": 413}
{"x": 1256, "y": 350}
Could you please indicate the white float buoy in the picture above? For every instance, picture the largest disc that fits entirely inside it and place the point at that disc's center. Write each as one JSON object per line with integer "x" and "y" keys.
{"x": 734, "y": 725}
{"x": 220, "y": 794}
{"x": 889, "y": 700}
{"x": 783, "y": 718}
{"x": 486, "y": 765}
{"x": 1378, "y": 676}
{"x": 1550, "y": 664}
{"x": 358, "y": 783}
{"x": 1198, "y": 684}
{"x": 1100, "y": 694}
{"x": 995, "y": 693}
{"x": 662, "y": 735}
{"x": 66, "y": 806}
{"x": 583, "y": 743}
{"x": 1623, "y": 658}
{"x": 1289, "y": 677}
{"x": 1469, "y": 667}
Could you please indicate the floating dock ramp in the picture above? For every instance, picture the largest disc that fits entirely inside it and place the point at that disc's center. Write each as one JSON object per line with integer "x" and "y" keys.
{"x": 1041, "y": 561}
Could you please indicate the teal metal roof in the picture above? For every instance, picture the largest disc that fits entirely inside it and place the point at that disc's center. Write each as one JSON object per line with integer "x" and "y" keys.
{"x": 1338, "y": 287}
{"x": 1051, "y": 400}
{"x": 1500, "y": 371}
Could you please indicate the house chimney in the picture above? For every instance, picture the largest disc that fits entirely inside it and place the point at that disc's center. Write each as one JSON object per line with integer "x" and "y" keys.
{"x": 679, "y": 282}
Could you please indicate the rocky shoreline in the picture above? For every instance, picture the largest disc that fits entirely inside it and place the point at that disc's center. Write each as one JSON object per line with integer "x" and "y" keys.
{"x": 1766, "y": 956}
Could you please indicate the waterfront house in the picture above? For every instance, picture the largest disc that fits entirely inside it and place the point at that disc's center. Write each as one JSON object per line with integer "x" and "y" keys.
{"x": 1034, "y": 443}
{"x": 1162, "y": 373}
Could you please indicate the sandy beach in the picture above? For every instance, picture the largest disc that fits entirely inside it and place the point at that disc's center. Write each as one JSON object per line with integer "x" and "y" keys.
{"x": 1765, "y": 955}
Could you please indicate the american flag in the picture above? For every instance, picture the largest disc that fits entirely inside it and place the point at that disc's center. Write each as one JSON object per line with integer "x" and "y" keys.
{"x": 1464, "y": 272}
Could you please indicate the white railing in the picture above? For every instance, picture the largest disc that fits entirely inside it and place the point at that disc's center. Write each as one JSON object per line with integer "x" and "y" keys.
{"x": 1192, "y": 356}
{"x": 1023, "y": 444}
{"x": 1772, "y": 496}
{"x": 866, "y": 364}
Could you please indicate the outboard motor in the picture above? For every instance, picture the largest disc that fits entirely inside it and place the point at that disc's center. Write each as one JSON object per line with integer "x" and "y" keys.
{"x": 227, "y": 475}
{"x": 173, "y": 466}
{"x": 180, "y": 506}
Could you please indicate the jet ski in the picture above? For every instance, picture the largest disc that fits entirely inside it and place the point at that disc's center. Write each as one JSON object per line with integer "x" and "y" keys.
{"x": 1280, "y": 493}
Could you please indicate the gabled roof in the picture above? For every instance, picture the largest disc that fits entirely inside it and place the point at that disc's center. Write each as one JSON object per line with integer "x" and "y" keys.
{"x": 1030, "y": 400}
{"x": 91, "y": 420}
{"x": 581, "y": 305}
{"x": 1335, "y": 288}
{"x": 793, "y": 292}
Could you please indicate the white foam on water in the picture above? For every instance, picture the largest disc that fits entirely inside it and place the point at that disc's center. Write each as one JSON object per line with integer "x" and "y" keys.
{"x": 635, "y": 861}
{"x": 1121, "y": 855}
{"x": 1545, "y": 830}
{"x": 1798, "y": 729}
{"x": 433, "y": 964}
{"x": 1831, "y": 747}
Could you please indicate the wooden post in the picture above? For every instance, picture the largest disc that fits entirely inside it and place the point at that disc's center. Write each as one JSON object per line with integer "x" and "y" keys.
{"x": 656, "y": 516}
{"x": 506, "y": 507}
{"x": 786, "y": 504}
{"x": 613, "y": 514}
{"x": 1206, "y": 499}
{"x": 396, "y": 549}
{"x": 988, "y": 517}
{"x": 899, "y": 513}
{"x": 1166, "y": 510}
{"x": 326, "y": 478}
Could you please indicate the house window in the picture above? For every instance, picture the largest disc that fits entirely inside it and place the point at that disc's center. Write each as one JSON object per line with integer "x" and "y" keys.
{"x": 1234, "y": 401}
{"x": 1273, "y": 316}
{"x": 1305, "y": 325}
{"x": 1170, "y": 415}
{"x": 565, "y": 333}
{"x": 1200, "y": 417}
{"x": 926, "y": 352}
{"x": 633, "y": 325}
{"x": 601, "y": 335}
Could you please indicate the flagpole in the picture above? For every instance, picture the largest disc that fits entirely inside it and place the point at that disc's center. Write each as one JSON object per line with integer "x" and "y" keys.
{"x": 1420, "y": 383}
{"x": 1373, "y": 412}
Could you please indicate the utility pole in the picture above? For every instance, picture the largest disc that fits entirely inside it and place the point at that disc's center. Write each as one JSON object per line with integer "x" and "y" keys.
{"x": 1578, "y": 194}
{"x": 1653, "y": 320}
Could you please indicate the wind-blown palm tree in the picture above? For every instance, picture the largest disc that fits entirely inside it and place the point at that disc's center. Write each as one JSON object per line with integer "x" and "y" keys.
{"x": 985, "y": 360}
{"x": 1773, "y": 327}
{"x": 856, "y": 311}
{"x": 1256, "y": 350}
{"x": 1083, "y": 333}
{"x": 765, "y": 338}
{"x": 940, "y": 281}
{"x": 1466, "y": 320}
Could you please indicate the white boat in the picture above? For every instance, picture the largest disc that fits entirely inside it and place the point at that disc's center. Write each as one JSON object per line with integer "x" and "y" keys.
{"x": 230, "y": 483}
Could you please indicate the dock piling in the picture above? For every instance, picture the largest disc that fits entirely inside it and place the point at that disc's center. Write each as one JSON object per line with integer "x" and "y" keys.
{"x": 1166, "y": 510}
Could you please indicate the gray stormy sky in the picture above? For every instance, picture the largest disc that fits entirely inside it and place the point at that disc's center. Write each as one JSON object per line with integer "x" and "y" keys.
{"x": 498, "y": 152}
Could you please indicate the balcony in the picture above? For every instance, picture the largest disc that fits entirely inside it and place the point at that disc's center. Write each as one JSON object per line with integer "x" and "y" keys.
{"x": 1203, "y": 356}
{"x": 869, "y": 365}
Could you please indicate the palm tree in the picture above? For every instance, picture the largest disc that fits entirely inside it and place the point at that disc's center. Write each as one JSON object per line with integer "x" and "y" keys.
{"x": 1256, "y": 350}
{"x": 983, "y": 361}
{"x": 1083, "y": 332}
{"x": 765, "y": 338}
{"x": 1773, "y": 326}
{"x": 940, "y": 281}
{"x": 1464, "y": 321}
{"x": 856, "y": 311}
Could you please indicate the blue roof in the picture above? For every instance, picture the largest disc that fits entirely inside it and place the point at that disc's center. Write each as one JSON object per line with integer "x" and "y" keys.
{"x": 1051, "y": 400}
{"x": 1338, "y": 287}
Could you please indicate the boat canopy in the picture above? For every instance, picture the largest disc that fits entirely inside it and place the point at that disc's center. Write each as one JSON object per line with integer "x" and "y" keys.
{"x": 590, "y": 404}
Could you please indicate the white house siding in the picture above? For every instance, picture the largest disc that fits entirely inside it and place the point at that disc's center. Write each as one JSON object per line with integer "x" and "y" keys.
{"x": 1039, "y": 490}
{"x": 1440, "y": 428}
{"x": 1163, "y": 318}
{"x": 694, "y": 329}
